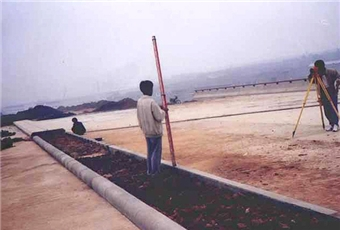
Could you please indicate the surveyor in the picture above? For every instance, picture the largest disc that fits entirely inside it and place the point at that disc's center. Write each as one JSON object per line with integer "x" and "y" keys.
{"x": 331, "y": 79}
{"x": 78, "y": 127}
{"x": 150, "y": 116}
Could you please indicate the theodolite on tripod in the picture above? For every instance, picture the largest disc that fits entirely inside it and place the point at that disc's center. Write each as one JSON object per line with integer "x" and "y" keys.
{"x": 320, "y": 87}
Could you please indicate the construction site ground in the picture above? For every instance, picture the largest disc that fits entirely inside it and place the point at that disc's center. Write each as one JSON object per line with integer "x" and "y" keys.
{"x": 255, "y": 148}
{"x": 39, "y": 193}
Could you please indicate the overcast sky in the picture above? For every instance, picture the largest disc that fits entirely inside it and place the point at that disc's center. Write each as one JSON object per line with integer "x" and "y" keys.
{"x": 67, "y": 49}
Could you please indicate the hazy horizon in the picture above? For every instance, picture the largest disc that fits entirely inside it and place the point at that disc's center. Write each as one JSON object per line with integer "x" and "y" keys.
{"x": 60, "y": 50}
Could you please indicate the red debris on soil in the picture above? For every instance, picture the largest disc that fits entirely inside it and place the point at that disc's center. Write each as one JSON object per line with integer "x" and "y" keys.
{"x": 76, "y": 147}
{"x": 188, "y": 201}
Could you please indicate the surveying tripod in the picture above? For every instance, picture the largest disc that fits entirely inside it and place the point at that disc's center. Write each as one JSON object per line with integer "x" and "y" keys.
{"x": 319, "y": 86}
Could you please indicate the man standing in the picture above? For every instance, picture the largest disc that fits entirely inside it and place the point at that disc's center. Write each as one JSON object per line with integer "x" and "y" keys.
{"x": 331, "y": 80}
{"x": 150, "y": 116}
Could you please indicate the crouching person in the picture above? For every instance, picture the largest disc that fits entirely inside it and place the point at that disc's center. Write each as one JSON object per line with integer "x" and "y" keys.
{"x": 78, "y": 127}
{"x": 150, "y": 116}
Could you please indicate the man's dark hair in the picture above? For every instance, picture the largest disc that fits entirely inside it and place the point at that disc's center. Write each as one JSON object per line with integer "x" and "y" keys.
{"x": 74, "y": 120}
{"x": 320, "y": 64}
{"x": 146, "y": 87}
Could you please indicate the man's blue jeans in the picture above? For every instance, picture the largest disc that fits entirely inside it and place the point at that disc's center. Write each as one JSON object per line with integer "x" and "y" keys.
{"x": 154, "y": 145}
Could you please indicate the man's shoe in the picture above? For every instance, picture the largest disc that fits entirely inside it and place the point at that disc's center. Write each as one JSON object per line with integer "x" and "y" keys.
{"x": 329, "y": 128}
{"x": 335, "y": 128}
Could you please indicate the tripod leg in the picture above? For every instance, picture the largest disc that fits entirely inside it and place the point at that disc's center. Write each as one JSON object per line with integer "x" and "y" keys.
{"x": 320, "y": 104}
{"x": 303, "y": 105}
{"x": 327, "y": 95}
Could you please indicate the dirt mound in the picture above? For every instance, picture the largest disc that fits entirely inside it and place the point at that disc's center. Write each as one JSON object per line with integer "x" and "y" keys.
{"x": 5, "y": 133}
{"x": 84, "y": 106}
{"x": 102, "y": 105}
{"x": 39, "y": 112}
{"x": 126, "y": 103}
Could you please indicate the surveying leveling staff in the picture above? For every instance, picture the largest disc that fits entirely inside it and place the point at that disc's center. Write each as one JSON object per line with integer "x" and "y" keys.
{"x": 331, "y": 80}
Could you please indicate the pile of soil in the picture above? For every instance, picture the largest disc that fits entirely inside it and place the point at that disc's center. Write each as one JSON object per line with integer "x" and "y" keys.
{"x": 126, "y": 103}
{"x": 190, "y": 202}
{"x": 6, "y": 133}
{"x": 8, "y": 142}
{"x": 39, "y": 112}
{"x": 84, "y": 106}
{"x": 102, "y": 106}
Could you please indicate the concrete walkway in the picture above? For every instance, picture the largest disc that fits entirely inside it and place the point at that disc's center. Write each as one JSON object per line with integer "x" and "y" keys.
{"x": 38, "y": 193}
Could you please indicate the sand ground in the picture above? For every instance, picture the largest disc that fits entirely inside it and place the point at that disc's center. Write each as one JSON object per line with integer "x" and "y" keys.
{"x": 255, "y": 149}
{"x": 195, "y": 110}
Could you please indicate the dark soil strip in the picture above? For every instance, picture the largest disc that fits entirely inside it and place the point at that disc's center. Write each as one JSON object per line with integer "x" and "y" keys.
{"x": 188, "y": 201}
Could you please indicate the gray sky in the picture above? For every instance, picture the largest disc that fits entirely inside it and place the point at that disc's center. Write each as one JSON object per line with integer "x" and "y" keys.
{"x": 67, "y": 49}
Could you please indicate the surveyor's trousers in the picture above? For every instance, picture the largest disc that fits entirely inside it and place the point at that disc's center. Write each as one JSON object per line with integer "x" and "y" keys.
{"x": 331, "y": 115}
{"x": 154, "y": 145}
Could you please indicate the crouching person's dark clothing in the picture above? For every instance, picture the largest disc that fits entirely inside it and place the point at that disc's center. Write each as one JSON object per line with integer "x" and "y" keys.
{"x": 78, "y": 128}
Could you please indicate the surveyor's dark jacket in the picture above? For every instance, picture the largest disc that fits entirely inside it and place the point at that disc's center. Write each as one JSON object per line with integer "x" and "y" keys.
{"x": 331, "y": 75}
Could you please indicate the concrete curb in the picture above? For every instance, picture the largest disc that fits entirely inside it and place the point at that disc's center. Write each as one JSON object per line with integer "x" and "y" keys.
{"x": 142, "y": 215}
{"x": 23, "y": 129}
{"x": 233, "y": 185}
